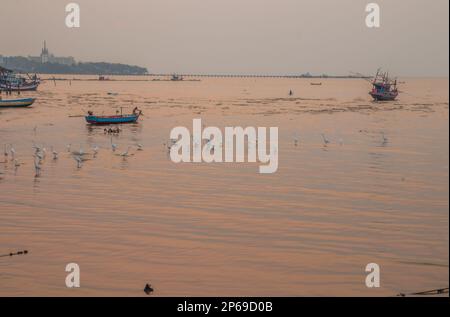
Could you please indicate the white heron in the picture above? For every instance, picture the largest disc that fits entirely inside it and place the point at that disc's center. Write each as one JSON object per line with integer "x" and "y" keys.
{"x": 385, "y": 139}
{"x": 55, "y": 154}
{"x": 81, "y": 151}
{"x": 95, "y": 149}
{"x": 125, "y": 154}
{"x": 79, "y": 160}
{"x": 69, "y": 147}
{"x": 36, "y": 147}
{"x": 39, "y": 156}
{"x": 296, "y": 139}
{"x": 16, "y": 163}
{"x": 12, "y": 151}
{"x": 37, "y": 168}
{"x": 325, "y": 140}
{"x": 113, "y": 145}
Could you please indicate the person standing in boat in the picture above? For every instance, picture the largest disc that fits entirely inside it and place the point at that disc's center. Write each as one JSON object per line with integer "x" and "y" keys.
{"x": 136, "y": 111}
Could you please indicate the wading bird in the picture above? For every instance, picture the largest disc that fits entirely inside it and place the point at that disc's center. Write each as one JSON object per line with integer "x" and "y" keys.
{"x": 55, "y": 154}
{"x": 95, "y": 149}
{"x": 79, "y": 160}
{"x": 125, "y": 154}
{"x": 12, "y": 151}
{"x": 325, "y": 140}
{"x": 39, "y": 156}
{"x": 16, "y": 163}
{"x": 113, "y": 145}
{"x": 385, "y": 139}
{"x": 37, "y": 168}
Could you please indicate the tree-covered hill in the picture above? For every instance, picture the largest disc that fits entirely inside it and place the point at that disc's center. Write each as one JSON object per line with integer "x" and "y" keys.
{"x": 25, "y": 65}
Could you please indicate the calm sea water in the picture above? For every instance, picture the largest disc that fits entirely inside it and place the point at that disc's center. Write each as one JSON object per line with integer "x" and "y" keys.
{"x": 224, "y": 229}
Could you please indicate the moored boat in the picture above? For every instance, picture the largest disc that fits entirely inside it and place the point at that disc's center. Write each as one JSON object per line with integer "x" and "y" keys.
{"x": 26, "y": 86}
{"x": 384, "y": 88}
{"x": 9, "y": 81}
{"x": 116, "y": 119}
{"x": 16, "y": 103}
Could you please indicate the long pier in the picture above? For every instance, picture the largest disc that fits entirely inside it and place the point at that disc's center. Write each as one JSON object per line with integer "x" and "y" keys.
{"x": 258, "y": 76}
{"x": 197, "y": 77}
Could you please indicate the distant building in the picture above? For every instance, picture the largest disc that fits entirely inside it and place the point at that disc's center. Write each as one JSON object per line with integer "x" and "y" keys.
{"x": 47, "y": 57}
{"x": 1, "y": 59}
{"x": 44, "y": 54}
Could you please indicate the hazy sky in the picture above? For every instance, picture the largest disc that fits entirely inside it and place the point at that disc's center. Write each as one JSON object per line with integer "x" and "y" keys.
{"x": 237, "y": 36}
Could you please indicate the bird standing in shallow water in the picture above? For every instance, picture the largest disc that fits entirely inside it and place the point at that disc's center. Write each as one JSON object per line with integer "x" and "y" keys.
{"x": 37, "y": 168}
{"x": 95, "y": 149}
{"x": 325, "y": 140}
{"x": 55, "y": 154}
{"x": 125, "y": 154}
{"x": 385, "y": 139}
{"x": 12, "y": 151}
{"x": 16, "y": 163}
{"x": 113, "y": 145}
{"x": 79, "y": 161}
{"x": 39, "y": 156}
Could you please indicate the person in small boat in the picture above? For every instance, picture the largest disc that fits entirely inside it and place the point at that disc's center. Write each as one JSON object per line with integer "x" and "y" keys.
{"x": 137, "y": 112}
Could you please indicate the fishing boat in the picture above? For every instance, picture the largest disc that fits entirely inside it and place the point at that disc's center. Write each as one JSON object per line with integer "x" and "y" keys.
{"x": 16, "y": 103}
{"x": 25, "y": 86}
{"x": 9, "y": 81}
{"x": 116, "y": 119}
{"x": 384, "y": 88}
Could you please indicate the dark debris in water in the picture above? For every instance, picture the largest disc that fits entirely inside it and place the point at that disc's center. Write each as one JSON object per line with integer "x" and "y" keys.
{"x": 148, "y": 289}
{"x": 24, "y": 252}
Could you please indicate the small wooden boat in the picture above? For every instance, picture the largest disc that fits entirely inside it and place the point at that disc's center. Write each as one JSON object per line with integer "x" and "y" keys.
{"x": 117, "y": 119}
{"x": 17, "y": 103}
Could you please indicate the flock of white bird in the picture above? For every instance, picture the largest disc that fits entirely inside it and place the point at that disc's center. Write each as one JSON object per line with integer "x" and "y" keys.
{"x": 80, "y": 156}
{"x": 40, "y": 154}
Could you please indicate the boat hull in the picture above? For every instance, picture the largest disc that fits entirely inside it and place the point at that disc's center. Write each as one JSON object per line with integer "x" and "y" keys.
{"x": 17, "y": 103}
{"x": 112, "y": 119}
{"x": 27, "y": 87}
{"x": 384, "y": 97}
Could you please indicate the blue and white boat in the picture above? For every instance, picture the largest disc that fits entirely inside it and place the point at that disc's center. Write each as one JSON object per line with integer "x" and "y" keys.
{"x": 117, "y": 119}
{"x": 16, "y": 103}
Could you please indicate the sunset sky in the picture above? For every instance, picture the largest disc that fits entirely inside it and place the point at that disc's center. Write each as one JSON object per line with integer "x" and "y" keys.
{"x": 237, "y": 36}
